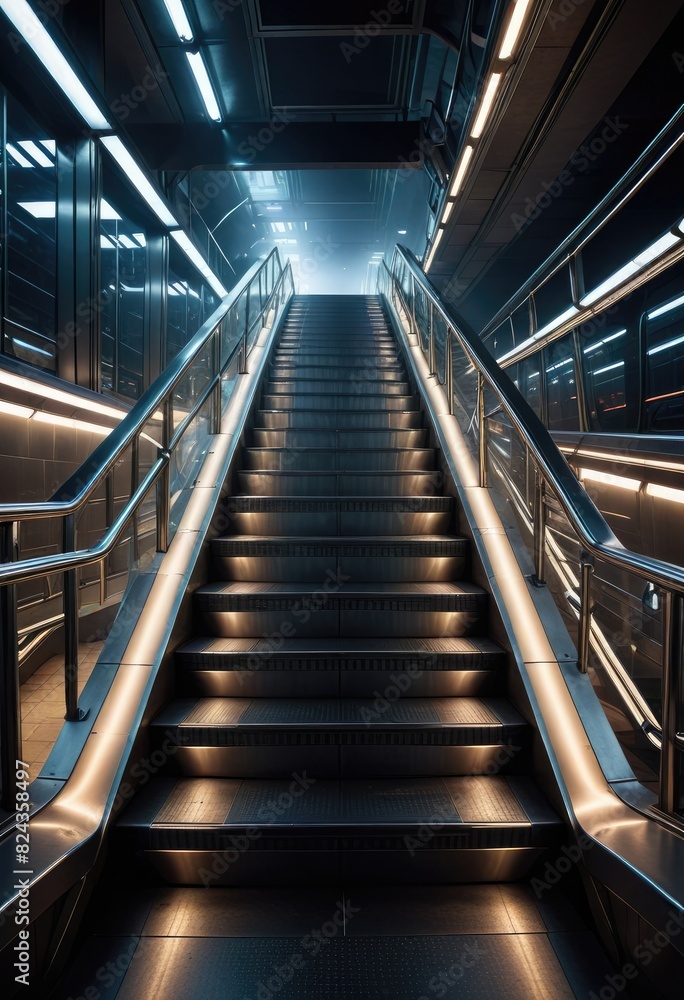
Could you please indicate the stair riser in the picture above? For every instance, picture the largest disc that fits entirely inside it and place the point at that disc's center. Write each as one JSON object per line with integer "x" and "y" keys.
{"x": 314, "y": 401}
{"x": 431, "y": 624}
{"x": 344, "y": 484}
{"x": 294, "y": 683}
{"x": 377, "y": 867}
{"x": 337, "y": 420}
{"x": 329, "y": 357}
{"x": 389, "y": 372}
{"x": 338, "y": 524}
{"x": 352, "y": 440}
{"x": 358, "y": 386}
{"x": 338, "y": 459}
{"x": 336, "y": 761}
{"x": 358, "y": 569}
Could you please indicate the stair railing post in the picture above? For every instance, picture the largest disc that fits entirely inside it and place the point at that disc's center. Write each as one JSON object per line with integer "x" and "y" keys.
{"x": 482, "y": 421}
{"x": 10, "y": 690}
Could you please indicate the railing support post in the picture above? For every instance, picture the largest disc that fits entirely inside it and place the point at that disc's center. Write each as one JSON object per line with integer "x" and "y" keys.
{"x": 449, "y": 363}
{"x": 673, "y": 637}
{"x": 70, "y": 624}
{"x": 10, "y": 691}
{"x": 164, "y": 481}
{"x": 539, "y": 529}
{"x": 482, "y": 422}
{"x": 245, "y": 334}
{"x": 217, "y": 402}
{"x": 586, "y": 615}
{"x": 431, "y": 356}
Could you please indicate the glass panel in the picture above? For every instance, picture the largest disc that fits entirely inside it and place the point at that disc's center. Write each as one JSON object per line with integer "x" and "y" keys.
{"x": 664, "y": 409}
{"x": 527, "y": 377}
{"x": 31, "y": 240}
{"x": 185, "y": 306}
{"x": 608, "y": 361}
{"x": 561, "y": 386}
{"x": 123, "y": 268}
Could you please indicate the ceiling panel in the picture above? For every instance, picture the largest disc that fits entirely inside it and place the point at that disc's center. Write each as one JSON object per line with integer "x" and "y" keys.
{"x": 326, "y": 79}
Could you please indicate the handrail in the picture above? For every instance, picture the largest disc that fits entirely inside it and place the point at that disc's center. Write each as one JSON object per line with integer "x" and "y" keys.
{"x": 601, "y": 214}
{"x": 595, "y": 535}
{"x": 71, "y": 496}
{"x": 594, "y": 531}
{"x": 266, "y": 281}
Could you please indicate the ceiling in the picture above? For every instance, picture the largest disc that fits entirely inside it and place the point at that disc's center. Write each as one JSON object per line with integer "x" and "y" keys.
{"x": 324, "y": 110}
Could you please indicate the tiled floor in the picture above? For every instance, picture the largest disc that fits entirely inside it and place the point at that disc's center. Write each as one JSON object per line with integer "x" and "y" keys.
{"x": 42, "y": 704}
{"x": 493, "y": 942}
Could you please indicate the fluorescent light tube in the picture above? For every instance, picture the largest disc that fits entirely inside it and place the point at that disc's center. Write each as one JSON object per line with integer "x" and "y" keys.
{"x": 634, "y": 485}
{"x": 107, "y": 213}
{"x": 14, "y": 410}
{"x": 666, "y": 347}
{"x": 606, "y": 340}
{"x": 614, "y": 281}
{"x": 22, "y": 160}
{"x": 37, "y": 38}
{"x": 486, "y": 106}
{"x": 608, "y": 368}
{"x": 36, "y": 152}
{"x": 433, "y": 251}
{"x": 140, "y": 182}
{"x": 515, "y": 26}
{"x": 58, "y": 395}
{"x": 641, "y": 261}
{"x": 193, "y": 254}
{"x": 555, "y": 323}
{"x": 180, "y": 19}
{"x": 199, "y": 69}
{"x": 661, "y": 310}
{"x": 665, "y": 492}
{"x": 466, "y": 157}
{"x": 128, "y": 243}
{"x": 50, "y": 145}
{"x": 40, "y": 209}
{"x": 447, "y": 212}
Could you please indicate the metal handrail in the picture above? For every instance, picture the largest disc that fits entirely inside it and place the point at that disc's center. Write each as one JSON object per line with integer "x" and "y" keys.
{"x": 631, "y": 182}
{"x": 595, "y": 535}
{"x": 74, "y": 493}
{"x": 156, "y": 402}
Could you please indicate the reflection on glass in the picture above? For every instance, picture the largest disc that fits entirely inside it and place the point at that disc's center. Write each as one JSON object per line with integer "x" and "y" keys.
{"x": 30, "y": 315}
{"x": 561, "y": 386}
{"x": 664, "y": 409}
{"x": 123, "y": 269}
{"x": 606, "y": 369}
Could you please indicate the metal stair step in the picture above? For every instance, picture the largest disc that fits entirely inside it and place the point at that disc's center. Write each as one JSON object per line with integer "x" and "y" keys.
{"x": 357, "y": 386}
{"x": 297, "y": 459}
{"x": 354, "y": 439}
{"x": 341, "y": 401}
{"x": 328, "y": 668}
{"x": 429, "y": 558}
{"x": 273, "y": 737}
{"x": 334, "y": 484}
{"x": 338, "y": 419}
{"x": 294, "y": 831}
{"x": 272, "y": 515}
{"x": 334, "y": 608}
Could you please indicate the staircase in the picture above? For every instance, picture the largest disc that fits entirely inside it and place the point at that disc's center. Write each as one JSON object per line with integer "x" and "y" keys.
{"x": 342, "y": 712}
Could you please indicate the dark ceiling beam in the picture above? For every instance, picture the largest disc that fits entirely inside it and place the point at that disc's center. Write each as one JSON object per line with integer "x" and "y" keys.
{"x": 280, "y": 145}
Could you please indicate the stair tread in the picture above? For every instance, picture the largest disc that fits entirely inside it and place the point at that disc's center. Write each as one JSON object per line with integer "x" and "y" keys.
{"x": 340, "y": 713}
{"x": 372, "y": 646}
{"x": 344, "y": 591}
{"x": 399, "y": 504}
{"x": 370, "y": 803}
